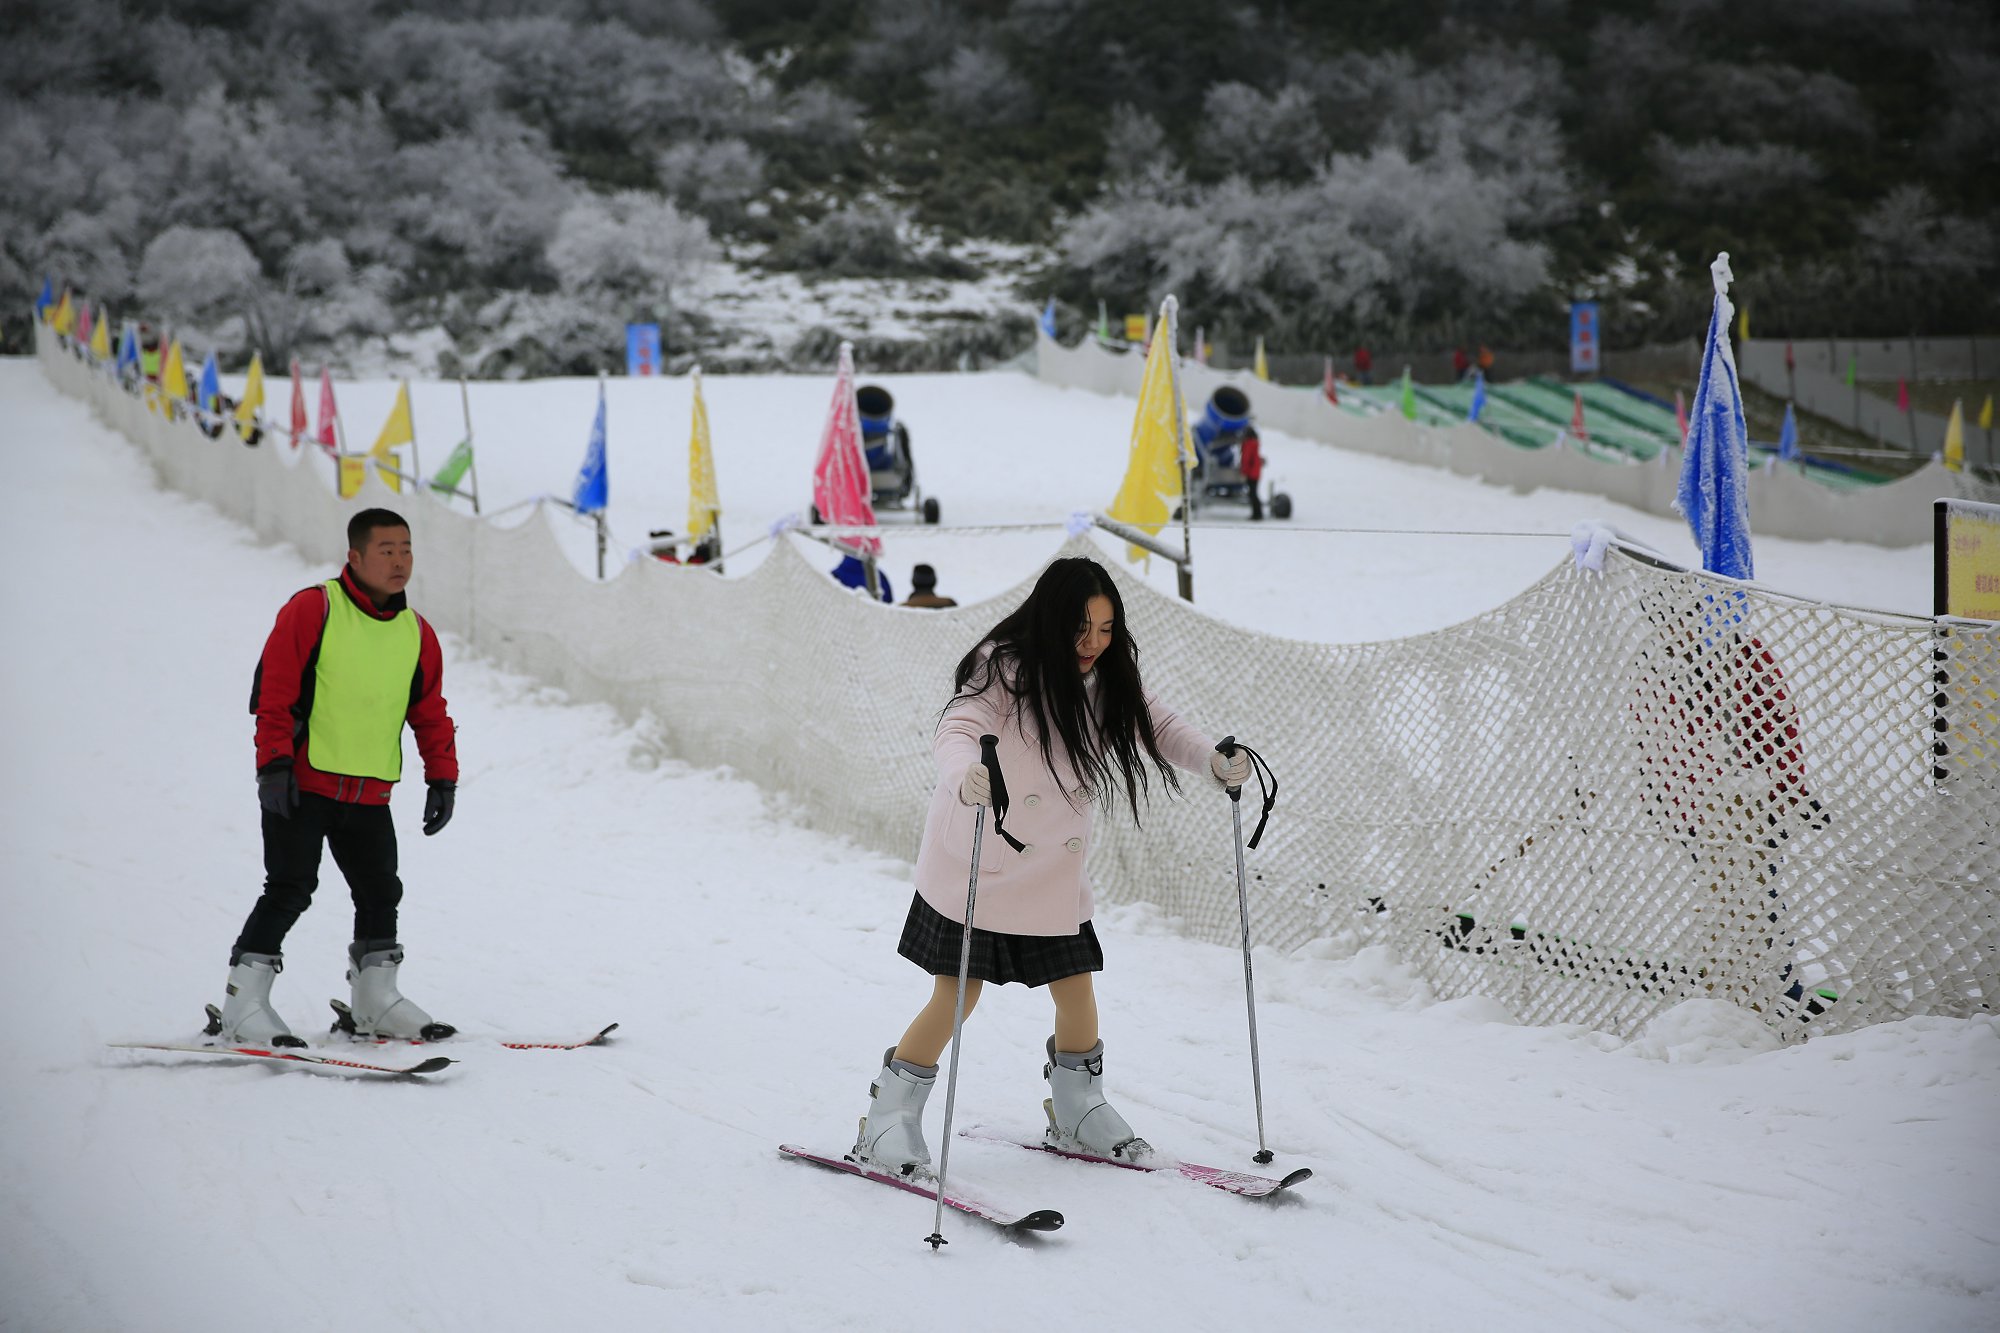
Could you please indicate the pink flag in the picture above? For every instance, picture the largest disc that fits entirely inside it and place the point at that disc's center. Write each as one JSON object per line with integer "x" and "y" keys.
{"x": 840, "y": 476}
{"x": 1681, "y": 416}
{"x": 83, "y": 324}
{"x": 1332, "y": 394}
{"x": 1576, "y": 427}
{"x": 299, "y": 424}
{"x": 329, "y": 414}
{"x": 1902, "y": 395}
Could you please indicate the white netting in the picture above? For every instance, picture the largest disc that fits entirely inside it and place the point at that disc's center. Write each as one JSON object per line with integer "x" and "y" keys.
{"x": 1614, "y": 792}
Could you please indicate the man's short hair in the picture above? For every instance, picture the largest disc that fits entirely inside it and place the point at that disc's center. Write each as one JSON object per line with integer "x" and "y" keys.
{"x": 362, "y": 526}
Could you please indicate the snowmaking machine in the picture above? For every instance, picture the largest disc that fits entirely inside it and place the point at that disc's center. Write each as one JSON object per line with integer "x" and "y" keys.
{"x": 892, "y": 471}
{"x": 1229, "y": 460}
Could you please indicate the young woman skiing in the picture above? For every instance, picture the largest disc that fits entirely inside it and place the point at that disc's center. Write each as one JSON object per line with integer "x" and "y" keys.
{"x": 1058, "y": 682}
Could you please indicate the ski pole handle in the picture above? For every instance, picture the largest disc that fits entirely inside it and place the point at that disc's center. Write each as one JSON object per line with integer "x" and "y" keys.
{"x": 1226, "y": 747}
{"x": 989, "y": 755}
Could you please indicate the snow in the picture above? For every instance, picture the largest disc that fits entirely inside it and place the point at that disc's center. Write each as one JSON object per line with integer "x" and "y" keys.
{"x": 1471, "y": 1171}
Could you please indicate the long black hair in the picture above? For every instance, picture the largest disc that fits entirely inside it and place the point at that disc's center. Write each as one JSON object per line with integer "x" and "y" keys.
{"x": 1033, "y": 658}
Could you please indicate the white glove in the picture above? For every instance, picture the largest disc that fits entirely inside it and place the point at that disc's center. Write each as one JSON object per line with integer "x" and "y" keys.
{"x": 976, "y": 787}
{"x": 1230, "y": 770}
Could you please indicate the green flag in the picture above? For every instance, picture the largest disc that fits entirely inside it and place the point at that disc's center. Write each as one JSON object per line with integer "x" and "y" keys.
{"x": 1409, "y": 396}
{"x": 1850, "y": 370}
{"x": 447, "y": 478}
{"x": 1103, "y": 324}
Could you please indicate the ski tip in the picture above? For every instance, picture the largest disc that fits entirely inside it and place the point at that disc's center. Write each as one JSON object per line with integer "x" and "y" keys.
{"x": 1299, "y": 1176}
{"x": 1042, "y": 1219}
{"x": 598, "y": 1040}
{"x": 431, "y": 1066}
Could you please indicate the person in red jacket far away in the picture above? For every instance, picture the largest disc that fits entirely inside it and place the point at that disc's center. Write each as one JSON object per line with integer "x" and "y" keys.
{"x": 346, "y": 667}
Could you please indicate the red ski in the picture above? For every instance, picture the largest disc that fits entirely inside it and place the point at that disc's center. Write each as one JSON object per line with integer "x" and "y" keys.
{"x": 430, "y": 1066}
{"x": 1230, "y": 1182}
{"x": 1042, "y": 1219}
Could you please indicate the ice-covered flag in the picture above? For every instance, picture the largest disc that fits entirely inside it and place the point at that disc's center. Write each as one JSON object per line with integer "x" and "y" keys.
{"x": 1154, "y": 474}
{"x": 211, "y": 383}
{"x": 252, "y": 401}
{"x": 1049, "y": 319}
{"x": 400, "y": 429}
{"x": 1788, "y": 436}
{"x": 100, "y": 339}
{"x": 299, "y": 423}
{"x": 1262, "y": 370}
{"x": 1409, "y": 396}
{"x": 328, "y": 434}
{"x": 1328, "y": 387}
{"x": 1954, "y": 437}
{"x": 593, "y": 487}
{"x": 704, "y": 502}
{"x": 841, "y": 491}
{"x": 1715, "y": 467}
{"x": 128, "y": 349}
{"x": 1478, "y": 393}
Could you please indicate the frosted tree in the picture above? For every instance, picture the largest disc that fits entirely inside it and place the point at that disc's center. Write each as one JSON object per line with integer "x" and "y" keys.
{"x": 198, "y": 273}
{"x": 978, "y": 89}
{"x": 630, "y": 248}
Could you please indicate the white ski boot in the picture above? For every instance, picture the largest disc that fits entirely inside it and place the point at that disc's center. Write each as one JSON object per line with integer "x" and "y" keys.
{"x": 1080, "y": 1120}
{"x": 892, "y": 1133}
{"x": 379, "y": 1010}
{"x": 246, "y": 1017}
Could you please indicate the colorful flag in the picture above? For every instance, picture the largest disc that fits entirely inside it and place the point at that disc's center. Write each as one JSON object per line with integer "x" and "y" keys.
{"x": 253, "y": 396}
{"x": 1327, "y": 385}
{"x": 1986, "y": 414}
{"x": 1954, "y": 437}
{"x": 454, "y": 469}
{"x": 128, "y": 349}
{"x": 841, "y": 491}
{"x": 704, "y": 504}
{"x": 593, "y": 486}
{"x": 398, "y": 430}
{"x": 1790, "y": 363}
{"x": 299, "y": 424}
{"x": 1577, "y": 429}
{"x": 1850, "y": 370}
{"x": 328, "y": 433}
{"x": 100, "y": 339}
{"x": 1478, "y": 395}
{"x": 1902, "y": 395}
{"x": 47, "y": 298}
{"x": 1788, "y": 436}
{"x": 1712, "y": 491}
{"x": 1262, "y": 369}
{"x": 353, "y": 471}
{"x": 1103, "y": 324}
{"x": 83, "y": 323}
{"x": 1200, "y": 346}
{"x": 1049, "y": 320}
{"x": 1153, "y": 476}
{"x": 1743, "y": 324}
{"x": 173, "y": 374}
{"x": 64, "y": 318}
{"x": 211, "y": 383}
{"x": 1409, "y": 396}
{"x": 1681, "y": 417}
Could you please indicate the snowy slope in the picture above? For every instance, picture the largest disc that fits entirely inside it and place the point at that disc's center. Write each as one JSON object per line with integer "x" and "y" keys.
{"x": 1471, "y": 1172}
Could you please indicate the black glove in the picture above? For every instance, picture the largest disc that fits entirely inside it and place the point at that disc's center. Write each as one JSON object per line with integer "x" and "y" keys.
{"x": 437, "y": 806}
{"x": 278, "y": 788}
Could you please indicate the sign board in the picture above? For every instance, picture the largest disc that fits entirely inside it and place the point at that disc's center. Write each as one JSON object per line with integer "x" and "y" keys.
{"x": 642, "y": 349}
{"x": 1135, "y": 328}
{"x": 1966, "y": 560}
{"x": 1583, "y": 339}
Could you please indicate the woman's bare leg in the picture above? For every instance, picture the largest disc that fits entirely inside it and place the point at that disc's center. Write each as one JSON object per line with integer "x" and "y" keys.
{"x": 1076, "y": 1013}
{"x": 930, "y": 1032}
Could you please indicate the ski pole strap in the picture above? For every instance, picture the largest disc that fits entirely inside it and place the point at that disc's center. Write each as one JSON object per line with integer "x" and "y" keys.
{"x": 989, "y": 755}
{"x": 1229, "y": 745}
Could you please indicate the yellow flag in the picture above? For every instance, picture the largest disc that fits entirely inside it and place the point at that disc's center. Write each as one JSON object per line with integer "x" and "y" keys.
{"x": 353, "y": 471}
{"x": 398, "y": 429}
{"x": 100, "y": 339}
{"x": 1263, "y": 368}
{"x": 173, "y": 374}
{"x": 1153, "y": 477}
{"x": 1743, "y": 323}
{"x": 1954, "y": 438}
{"x": 64, "y": 318}
{"x": 253, "y": 394}
{"x": 704, "y": 505}
{"x": 1986, "y": 414}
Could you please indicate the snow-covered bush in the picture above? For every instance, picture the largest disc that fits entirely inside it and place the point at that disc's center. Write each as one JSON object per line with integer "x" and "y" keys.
{"x": 631, "y": 249}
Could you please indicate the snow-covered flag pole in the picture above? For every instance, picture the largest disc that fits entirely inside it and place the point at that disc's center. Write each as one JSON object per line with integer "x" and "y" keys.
{"x": 841, "y": 490}
{"x": 1716, "y": 462}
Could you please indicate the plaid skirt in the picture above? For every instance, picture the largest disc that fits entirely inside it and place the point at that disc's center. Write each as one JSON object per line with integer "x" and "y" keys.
{"x": 932, "y": 942}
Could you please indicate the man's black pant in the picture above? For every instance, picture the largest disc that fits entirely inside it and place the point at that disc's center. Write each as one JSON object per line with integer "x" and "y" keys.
{"x": 363, "y": 842}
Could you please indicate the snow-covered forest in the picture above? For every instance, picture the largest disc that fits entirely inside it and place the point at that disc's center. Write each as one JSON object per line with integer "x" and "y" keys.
{"x": 505, "y": 184}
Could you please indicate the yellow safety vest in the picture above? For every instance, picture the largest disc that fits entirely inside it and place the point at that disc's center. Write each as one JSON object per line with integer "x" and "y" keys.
{"x": 361, "y": 689}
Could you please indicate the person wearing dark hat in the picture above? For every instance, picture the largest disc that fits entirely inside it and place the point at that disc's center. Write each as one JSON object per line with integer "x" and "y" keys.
{"x": 923, "y": 589}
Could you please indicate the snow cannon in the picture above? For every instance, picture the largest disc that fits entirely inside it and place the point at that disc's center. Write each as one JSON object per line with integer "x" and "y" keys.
{"x": 892, "y": 469}
{"x": 1229, "y": 458}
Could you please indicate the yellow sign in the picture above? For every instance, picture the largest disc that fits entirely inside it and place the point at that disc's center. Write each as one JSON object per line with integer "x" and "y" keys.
{"x": 1969, "y": 556}
{"x": 1135, "y": 328}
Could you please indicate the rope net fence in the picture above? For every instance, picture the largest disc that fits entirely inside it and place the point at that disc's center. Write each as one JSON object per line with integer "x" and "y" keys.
{"x": 1617, "y": 791}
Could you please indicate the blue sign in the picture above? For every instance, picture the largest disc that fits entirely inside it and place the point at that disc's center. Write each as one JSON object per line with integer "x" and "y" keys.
{"x": 642, "y": 349}
{"x": 1583, "y": 341}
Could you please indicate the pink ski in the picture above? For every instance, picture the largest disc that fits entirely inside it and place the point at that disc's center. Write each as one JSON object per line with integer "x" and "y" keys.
{"x": 1216, "y": 1177}
{"x": 1042, "y": 1219}
{"x": 430, "y": 1066}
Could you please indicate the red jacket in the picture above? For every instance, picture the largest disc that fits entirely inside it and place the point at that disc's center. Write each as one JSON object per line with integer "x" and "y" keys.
{"x": 281, "y": 696}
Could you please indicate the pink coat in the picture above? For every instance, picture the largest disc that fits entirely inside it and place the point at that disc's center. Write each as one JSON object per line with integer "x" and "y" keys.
{"x": 1043, "y": 890}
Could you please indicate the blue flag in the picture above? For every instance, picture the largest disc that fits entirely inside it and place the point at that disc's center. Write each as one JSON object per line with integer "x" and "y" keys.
{"x": 1478, "y": 395}
{"x": 593, "y": 488}
{"x": 1049, "y": 319}
{"x": 211, "y": 384}
{"x": 1788, "y": 436}
{"x": 48, "y": 296}
{"x": 128, "y": 349}
{"x": 1715, "y": 465}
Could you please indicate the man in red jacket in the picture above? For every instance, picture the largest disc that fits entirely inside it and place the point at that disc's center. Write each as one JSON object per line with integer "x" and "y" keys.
{"x": 346, "y": 666}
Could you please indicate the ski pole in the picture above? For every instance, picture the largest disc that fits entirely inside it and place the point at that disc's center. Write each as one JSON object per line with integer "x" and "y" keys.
{"x": 1227, "y": 747}
{"x": 990, "y": 757}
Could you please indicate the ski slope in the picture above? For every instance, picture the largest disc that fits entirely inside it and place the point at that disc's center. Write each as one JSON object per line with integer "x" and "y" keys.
{"x": 1471, "y": 1173}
